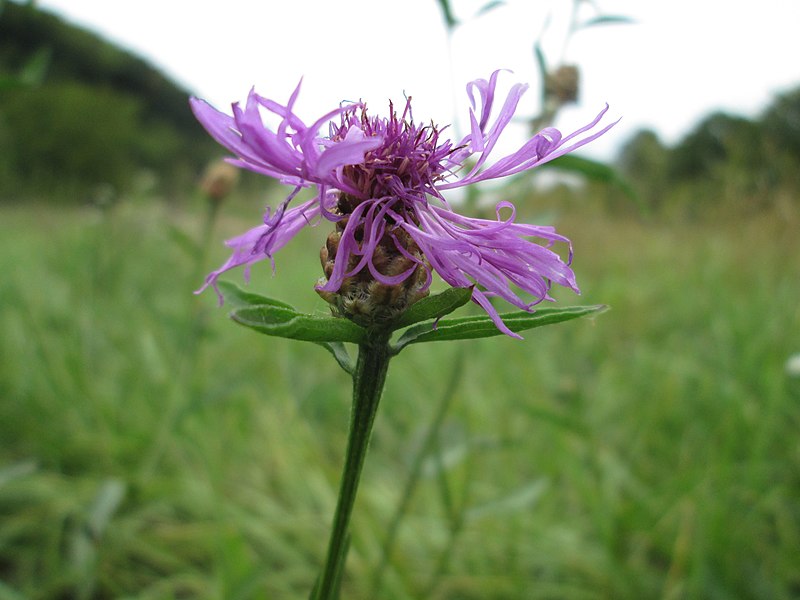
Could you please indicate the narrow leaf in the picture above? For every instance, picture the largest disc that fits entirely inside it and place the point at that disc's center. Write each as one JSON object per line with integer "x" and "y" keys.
{"x": 287, "y": 323}
{"x": 591, "y": 169}
{"x": 608, "y": 20}
{"x": 465, "y": 328}
{"x": 596, "y": 171}
{"x": 489, "y": 7}
{"x": 523, "y": 498}
{"x": 540, "y": 60}
{"x": 434, "y": 307}
{"x": 105, "y": 504}
{"x": 340, "y": 353}
{"x": 239, "y": 298}
{"x": 447, "y": 14}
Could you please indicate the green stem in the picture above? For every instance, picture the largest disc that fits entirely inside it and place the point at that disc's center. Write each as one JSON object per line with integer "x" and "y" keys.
{"x": 368, "y": 380}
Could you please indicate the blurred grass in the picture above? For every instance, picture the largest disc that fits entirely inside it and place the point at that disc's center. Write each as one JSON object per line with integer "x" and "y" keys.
{"x": 149, "y": 448}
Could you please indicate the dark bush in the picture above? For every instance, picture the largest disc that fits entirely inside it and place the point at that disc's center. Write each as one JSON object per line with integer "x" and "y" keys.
{"x": 101, "y": 117}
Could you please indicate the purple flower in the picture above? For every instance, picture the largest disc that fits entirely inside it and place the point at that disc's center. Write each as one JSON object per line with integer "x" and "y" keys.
{"x": 381, "y": 179}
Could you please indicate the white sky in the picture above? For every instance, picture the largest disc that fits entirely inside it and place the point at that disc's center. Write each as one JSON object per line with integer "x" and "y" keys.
{"x": 681, "y": 60}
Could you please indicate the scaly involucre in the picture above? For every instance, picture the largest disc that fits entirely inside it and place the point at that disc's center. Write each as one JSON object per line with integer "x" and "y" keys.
{"x": 382, "y": 174}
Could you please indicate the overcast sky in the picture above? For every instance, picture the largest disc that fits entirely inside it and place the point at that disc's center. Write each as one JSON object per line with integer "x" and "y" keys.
{"x": 679, "y": 61}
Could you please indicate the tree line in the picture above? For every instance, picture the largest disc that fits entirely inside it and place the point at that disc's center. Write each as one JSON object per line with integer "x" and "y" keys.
{"x": 727, "y": 161}
{"x": 78, "y": 114}
{"x": 94, "y": 115}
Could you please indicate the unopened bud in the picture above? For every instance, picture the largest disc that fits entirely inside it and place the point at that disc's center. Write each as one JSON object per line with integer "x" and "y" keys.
{"x": 562, "y": 85}
{"x": 218, "y": 180}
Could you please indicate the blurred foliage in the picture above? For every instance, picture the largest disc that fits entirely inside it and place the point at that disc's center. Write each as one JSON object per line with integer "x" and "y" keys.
{"x": 726, "y": 162}
{"x": 650, "y": 453}
{"x": 781, "y": 123}
{"x": 79, "y": 111}
{"x": 76, "y": 133}
{"x": 644, "y": 159}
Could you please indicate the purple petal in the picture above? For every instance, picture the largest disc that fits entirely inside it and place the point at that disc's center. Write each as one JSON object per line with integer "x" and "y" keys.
{"x": 222, "y": 128}
{"x": 246, "y": 250}
{"x": 492, "y": 253}
{"x": 349, "y": 151}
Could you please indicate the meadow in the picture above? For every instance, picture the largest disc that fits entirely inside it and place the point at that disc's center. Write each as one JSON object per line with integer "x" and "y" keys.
{"x": 150, "y": 448}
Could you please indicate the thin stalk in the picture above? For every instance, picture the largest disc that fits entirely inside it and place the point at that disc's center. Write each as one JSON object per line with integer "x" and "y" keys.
{"x": 428, "y": 443}
{"x": 186, "y": 368}
{"x": 457, "y": 519}
{"x": 368, "y": 380}
{"x": 209, "y": 222}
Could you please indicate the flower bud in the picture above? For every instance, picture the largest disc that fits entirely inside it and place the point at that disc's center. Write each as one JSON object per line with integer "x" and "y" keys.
{"x": 218, "y": 180}
{"x": 562, "y": 85}
{"x": 362, "y": 298}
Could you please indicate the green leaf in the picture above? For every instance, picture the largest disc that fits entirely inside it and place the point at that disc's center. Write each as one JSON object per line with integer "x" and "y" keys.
{"x": 521, "y": 499}
{"x": 472, "y": 327}
{"x": 608, "y": 20}
{"x": 434, "y": 307}
{"x": 239, "y": 298}
{"x": 340, "y": 353}
{"x": 489, "y": 7}
{"x": 591, "y": 169}
{"x": 541, "y": 63}
{"x": 105, "y": 504}
{"x": 447, "y": 14}
{"x": 596, "y": 171}
{"x": 285, "y": 322}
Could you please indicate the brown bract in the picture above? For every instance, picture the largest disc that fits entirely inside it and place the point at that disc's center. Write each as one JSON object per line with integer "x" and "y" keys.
{"x": 363, "y": 299}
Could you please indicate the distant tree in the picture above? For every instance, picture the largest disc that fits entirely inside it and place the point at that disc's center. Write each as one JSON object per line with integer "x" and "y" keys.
{"x": 100, "y": 115}
{"x": 79, "y": 55}
{"x": 718, "y": 139}
{"x": 643, "y": 162}
{"x": 781, "y": 125}
{"x": 781, "y": 122}
{"x": 73, "y": 136}
{"x": 726, "y": 161}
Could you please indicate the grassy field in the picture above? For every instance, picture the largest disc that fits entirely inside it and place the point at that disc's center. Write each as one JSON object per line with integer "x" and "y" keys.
{"x": 149, "y": 448}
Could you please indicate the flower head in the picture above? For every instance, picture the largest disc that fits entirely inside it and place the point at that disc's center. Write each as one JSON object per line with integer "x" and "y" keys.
{"x": 381, "y": 180}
